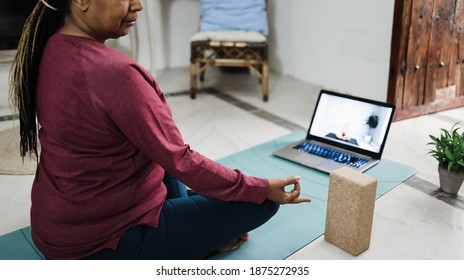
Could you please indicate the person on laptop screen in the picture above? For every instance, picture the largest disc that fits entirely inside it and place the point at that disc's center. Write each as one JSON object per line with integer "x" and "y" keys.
{"x": 343, "y": 134}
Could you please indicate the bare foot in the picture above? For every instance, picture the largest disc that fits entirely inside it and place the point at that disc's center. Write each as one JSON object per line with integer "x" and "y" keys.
{"x": 234, "y": 244}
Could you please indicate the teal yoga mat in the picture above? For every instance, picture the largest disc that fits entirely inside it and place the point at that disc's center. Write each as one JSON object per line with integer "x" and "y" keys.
{"x": 18, "y": 245}
{"x": 295, "y": 226}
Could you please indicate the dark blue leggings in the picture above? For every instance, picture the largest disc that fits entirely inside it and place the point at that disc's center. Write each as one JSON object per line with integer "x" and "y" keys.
{"x": 191, "y": 226}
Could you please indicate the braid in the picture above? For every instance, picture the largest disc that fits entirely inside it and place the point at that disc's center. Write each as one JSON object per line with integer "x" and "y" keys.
{"x": 39, "y": 26}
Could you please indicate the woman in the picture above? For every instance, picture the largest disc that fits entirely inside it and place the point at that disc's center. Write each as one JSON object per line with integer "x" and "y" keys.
{"x": 105, "y": 186}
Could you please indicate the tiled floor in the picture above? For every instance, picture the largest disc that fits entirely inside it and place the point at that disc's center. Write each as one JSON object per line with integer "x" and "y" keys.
{"x": 413, "y": 221}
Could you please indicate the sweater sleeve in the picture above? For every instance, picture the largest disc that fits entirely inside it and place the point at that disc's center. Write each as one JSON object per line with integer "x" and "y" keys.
{"x": 132, "y": 101}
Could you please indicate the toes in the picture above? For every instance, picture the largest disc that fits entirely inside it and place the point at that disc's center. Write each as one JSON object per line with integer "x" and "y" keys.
{"x": 245, "y": 237}
{"x": 234, "y": 245}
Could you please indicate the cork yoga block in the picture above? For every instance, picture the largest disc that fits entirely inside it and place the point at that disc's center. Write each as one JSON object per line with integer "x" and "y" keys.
{"x": 350, "y": 210}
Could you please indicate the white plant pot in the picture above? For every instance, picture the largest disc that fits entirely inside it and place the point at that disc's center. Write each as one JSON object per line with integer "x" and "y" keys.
{"x": 450, "y": 182}
{"x": 367, "y": 138}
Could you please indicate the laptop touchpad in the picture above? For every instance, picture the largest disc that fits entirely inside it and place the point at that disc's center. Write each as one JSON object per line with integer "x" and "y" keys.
{"x": 309, "y": 159}
{"x": 329, "y": 165}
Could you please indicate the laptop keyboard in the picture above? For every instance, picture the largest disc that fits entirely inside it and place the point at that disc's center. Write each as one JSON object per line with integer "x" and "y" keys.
{"x": 344, "y": 158}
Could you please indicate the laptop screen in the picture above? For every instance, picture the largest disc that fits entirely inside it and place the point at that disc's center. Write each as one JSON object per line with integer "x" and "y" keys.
{"x": 353, "y": 122}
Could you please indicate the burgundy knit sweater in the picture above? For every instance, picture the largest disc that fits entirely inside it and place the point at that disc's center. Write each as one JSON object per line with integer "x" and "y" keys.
{"x": 107, "y": 137}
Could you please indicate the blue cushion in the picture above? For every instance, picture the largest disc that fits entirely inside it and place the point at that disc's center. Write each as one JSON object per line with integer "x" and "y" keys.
{"x": 248, "y": 15}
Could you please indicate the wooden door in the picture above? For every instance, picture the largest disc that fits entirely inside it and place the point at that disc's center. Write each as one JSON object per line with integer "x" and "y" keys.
{"x": 427, "y": 55}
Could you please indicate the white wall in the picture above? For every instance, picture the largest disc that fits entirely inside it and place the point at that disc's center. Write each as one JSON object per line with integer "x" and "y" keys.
{"x": 175, "y": 21}
{"x": 338, "y": 44}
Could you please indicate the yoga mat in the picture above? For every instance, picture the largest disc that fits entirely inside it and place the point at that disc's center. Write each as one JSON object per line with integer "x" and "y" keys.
{"x": 18, "y": 245}
{"x": 295, "y": 226}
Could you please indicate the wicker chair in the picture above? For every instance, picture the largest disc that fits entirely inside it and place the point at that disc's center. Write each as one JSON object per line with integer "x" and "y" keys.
{"x": 230, "y": 48}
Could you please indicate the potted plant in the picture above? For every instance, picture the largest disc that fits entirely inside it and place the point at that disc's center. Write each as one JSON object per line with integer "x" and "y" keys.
{"x": 372, "y": 121}
{"x": 448, "y": 150}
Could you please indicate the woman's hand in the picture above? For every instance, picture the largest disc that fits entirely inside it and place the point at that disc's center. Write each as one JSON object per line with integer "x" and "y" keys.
{"x": 278, "y": 194}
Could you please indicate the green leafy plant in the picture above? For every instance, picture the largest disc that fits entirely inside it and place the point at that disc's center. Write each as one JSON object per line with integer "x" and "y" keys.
{"x": 372, "y": 121}
{"x": 449, "y": 149}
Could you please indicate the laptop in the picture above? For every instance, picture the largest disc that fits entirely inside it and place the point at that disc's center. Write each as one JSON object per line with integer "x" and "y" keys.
{"x": 345, "y": 131}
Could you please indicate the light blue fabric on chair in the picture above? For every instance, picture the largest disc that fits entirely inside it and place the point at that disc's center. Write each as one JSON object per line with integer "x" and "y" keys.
{"x": 249, "y": 15}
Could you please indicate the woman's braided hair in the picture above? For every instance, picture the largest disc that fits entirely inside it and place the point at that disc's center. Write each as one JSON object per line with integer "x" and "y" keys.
{"x": 39, "y": 26}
